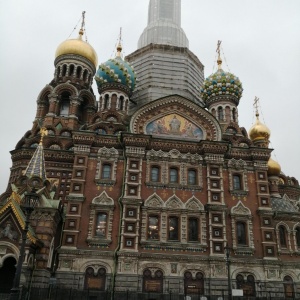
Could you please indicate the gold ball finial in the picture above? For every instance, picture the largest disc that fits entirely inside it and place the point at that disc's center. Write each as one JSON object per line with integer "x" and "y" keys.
{"x": 274, "y": 167}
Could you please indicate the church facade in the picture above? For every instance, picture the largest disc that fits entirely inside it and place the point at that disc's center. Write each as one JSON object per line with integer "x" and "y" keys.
{"x": 146, "y": 185}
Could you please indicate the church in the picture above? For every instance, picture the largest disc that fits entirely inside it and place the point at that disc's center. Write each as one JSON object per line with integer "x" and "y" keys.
{"x": 149, "y": 184}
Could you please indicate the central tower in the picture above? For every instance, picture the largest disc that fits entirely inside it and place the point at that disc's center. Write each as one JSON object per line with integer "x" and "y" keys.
{"x": 164, "y": 25}
{"x": 171, "y": 68}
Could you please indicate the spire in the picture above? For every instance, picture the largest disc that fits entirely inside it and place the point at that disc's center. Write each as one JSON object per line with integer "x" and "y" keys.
{"x": 219, "y": 61}
{"x": 119, "y": 47}
{"x": 164, "y": 25}
{"x": 36, "y": 166}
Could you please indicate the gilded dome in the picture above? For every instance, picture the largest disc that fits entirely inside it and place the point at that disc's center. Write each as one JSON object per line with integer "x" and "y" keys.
{"x": 259, "y": 131}
{"x": 274, "y": 168}
{"x": 116, "y": 70}
{"x": 78, "y": 47}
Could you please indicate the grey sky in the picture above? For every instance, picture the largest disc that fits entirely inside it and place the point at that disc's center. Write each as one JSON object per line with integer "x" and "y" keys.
{"x": 260, "y": 39}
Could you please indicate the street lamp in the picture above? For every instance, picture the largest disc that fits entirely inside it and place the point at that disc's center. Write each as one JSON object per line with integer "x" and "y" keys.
{"x": 28, "y": 203}
{"x": 228, "y": 249}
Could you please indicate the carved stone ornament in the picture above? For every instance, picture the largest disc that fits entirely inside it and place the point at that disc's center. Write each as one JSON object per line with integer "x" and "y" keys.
{"x": 240, "y": 210}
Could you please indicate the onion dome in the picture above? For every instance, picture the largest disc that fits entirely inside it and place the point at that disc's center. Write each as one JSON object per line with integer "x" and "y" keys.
{"x": 221, "y": 83}
{"x": 274, "y": 168}
{"x": 78, "y": 47}
{"x": 116, "y": 71}
{"x": 259, "y": 131}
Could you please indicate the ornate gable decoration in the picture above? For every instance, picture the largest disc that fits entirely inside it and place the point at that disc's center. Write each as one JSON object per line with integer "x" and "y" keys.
{"x": 154, "y": 201}
{"x": 103, "y": 199}
{"x": 108, "y": 153}
{"x": 194, "y": 204}
{"x": 175, "y": 117}
{"x": 174, "y": 203}
{"x": 240, "y": 210}
{"x": 237, "y": 164}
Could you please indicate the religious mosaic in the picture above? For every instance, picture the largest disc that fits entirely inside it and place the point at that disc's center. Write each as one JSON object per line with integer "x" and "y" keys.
{"x": 174, "y": 125}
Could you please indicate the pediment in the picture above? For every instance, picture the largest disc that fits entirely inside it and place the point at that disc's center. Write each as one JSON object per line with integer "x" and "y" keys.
{"x": 175, "y": 117}
{"x": 240, "y": 210}
{"x": 154, "y": 201}
{"x": 103, "y": 199}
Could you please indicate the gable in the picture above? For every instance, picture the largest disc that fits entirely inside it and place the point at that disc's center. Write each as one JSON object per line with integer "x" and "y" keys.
{"x": 175, "y": 117}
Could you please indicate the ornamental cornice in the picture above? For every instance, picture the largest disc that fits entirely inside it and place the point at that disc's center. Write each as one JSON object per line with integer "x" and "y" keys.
{"x": 183, "y": 107}
{"x": 77, "y": 58}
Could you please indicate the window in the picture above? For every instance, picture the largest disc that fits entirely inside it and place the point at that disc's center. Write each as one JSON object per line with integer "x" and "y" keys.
{"x": 193, "y": 285}
{"x": 106, "y": 171}
{"x": 173, "y": 175}
{"x": 153, "y": 228}
{"x": 298, "y": 236}
{"x": 193, "y": 229}
{"x": 220, "y": 113}
{"x": 248, "y": 286}
{"x": 106, "y": 100}
{"x": 237, "y": 182}
{"x": 288, "y": 287}
{"x": 241, "y": 233}
{"x": 101, "y": 225}
{"x": 192, "y": 177}
{"x": 282, "y": 236}
{"x": 155, "y": 174}
{"x": 95, "y": 281}
{"x": 64, "y": 104}
{"x": 121, "y": 103}
{"x": 173, "y": 229}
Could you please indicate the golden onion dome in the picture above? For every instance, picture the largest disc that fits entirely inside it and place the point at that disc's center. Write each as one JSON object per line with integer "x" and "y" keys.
{"x": 259, "y": 131}
{"x": 274, "y": 168}
{"x": 78, "y": 47}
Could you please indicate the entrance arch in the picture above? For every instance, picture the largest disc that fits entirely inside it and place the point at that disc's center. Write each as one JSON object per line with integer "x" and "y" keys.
{"x": 7, "y": 274}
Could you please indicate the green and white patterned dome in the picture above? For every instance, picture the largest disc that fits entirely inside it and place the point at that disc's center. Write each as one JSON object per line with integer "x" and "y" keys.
{"x": 116, "y": 72}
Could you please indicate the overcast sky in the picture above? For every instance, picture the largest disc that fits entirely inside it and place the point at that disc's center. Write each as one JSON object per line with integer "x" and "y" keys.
{"x": 260, "y": 39}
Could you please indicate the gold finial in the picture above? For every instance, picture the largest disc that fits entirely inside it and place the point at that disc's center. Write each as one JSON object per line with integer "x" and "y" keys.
{"x": 81, "y": 31}
{"x": 255, "y": 104}
{"x": 119, "y": 47}
{"x": 219, "y": 61}
{"x": 43, "y": 133}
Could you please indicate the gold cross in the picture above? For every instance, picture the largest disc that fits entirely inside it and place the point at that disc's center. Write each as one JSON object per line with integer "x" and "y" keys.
{"x": 43, "y": 132}
{"x": 183, "y": 194}
{"x": 164, "y": 193}
{"x": 255, "y": 104}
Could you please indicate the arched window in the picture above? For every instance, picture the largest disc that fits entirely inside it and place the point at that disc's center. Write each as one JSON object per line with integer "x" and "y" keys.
{"x": 193, "y": 285}
{"x": 64, "y": 70}
{"x": 106, "y": 101}
{"x": 94, "y": 281}
{"x": 298, "y": 236}
{"x": 234, "y": 115}
{"x": 71, "y": 70}
{"x": 58, "y": 72}
{"x": 173, "y": 229}
{"x": 153, "y": 228}
{"x": 85, "y": 73}
{"x": 154, "y": 174}
{"x": 248, "y": 285}
{"x": 101, "y": 225}
{"x": 78, "y": 72}
{"x": 220, "y": 113}
{"x": 106, "y": 171}
{"x": 153, "y": 283}
{"x": 192, "y": 177}
{"x": 237, "y": 185}
{"x": 241, "y": 233}
{"x": 121, "y": 103}
{"x": 64, "y": 104}
{"x": 282, "y": 236}
{"x": 288, "y": 287}
{"x": 173, "y": 175}
{"x": 193, "y": 226}
{"x": 7, "y": 274}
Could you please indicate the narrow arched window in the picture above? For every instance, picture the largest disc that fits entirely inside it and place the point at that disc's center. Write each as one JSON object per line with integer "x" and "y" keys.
{"x": 173, "y": 175}
{"x": 173, "y": 229}
{"x": 106, "y": 171}
{"x": 282, "y": 236}
{"x": 298, "y": 236}
{"x": 192, "y": 177}
{"x": 241, "y": 233}
{"x": 121, "y": 103}
{"x": 78, "y": 72}
{"x": 234, "y": 115}
{"x": 288, "y": 287}
{"x": 64, "y": 70}
{"x": 64, "y": 104}
{"x": 237, "y": 182}
{"x": 220, "y": 113}
{"x": 71, "y": 70}
{"x": 85, "y": 73}
{"x": 106, "y": 101}
{"x": 155, "y": 174}
{"x": 193, "y": 229}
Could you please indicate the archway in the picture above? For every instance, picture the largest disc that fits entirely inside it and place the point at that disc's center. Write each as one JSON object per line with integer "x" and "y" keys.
{"x": 7, "y": 274}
